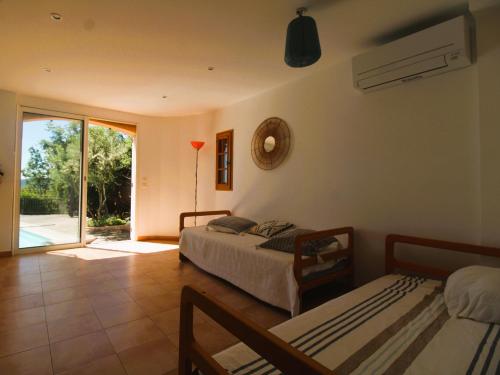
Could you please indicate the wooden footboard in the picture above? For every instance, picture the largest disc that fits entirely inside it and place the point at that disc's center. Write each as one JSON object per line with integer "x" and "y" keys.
{"x": 282, "y": 355}
{"x": 300, "y": 263}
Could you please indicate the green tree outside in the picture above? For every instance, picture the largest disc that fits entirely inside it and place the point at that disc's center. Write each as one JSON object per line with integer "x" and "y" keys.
{"x": 109, "y": 177}
{"x": 53, "y": 174}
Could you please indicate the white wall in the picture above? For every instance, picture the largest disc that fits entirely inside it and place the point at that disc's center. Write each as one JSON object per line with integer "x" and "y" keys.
{"x": 402, "y": 160}
{"x": 7, "y": 149}
{"x": 168, "y": 164}
{"x": 157, "y": 177}
{"x": 488, "y": 33}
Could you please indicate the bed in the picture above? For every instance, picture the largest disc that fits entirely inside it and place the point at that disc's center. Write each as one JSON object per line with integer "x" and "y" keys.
{"x": 275, "y": 277}
{"x": 397, "y": 324}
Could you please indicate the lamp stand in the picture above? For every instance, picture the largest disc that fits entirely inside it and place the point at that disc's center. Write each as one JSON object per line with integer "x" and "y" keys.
{"x": 196, "y": 186}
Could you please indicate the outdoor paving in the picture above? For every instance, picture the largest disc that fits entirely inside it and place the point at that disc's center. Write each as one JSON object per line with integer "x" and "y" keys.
{"x": 106, "y": 234}
{"x": 40, "y": 230}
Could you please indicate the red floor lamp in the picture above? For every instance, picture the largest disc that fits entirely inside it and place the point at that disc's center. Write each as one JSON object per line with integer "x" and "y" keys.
{"x": 197, "y": 145}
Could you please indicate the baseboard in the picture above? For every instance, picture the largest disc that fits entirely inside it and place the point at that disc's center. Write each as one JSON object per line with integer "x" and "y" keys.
{"x": 5, "y": 254}
{"x": 158, "y": 238}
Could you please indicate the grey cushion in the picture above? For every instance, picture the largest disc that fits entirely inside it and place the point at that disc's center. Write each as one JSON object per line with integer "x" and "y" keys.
{"x": 271, "y": 228}
{"x": 231, "y": 224}
{"x": 286, "y": 242}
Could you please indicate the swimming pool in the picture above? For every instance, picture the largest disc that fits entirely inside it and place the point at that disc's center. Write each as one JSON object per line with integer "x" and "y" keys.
{"x": 30, "y": 239}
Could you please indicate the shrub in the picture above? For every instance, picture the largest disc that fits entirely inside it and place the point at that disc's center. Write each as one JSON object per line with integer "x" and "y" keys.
{"x": 33, "y": 203}
{"x": 107, "y": 221}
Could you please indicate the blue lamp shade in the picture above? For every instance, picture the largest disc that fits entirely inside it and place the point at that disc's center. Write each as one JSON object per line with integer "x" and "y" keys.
{"x": 302, "y": 42}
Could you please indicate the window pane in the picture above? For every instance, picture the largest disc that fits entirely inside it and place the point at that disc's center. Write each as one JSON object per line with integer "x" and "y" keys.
{"x": 222, "y": 176}
{"x": 50, "y": 201}
{"x": 223, "y": 167}
{"x": 222, "y": 145}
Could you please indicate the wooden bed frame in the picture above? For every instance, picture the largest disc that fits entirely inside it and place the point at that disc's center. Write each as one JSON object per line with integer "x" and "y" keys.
{"x": 282, "y": 355}
{"x": 300, "y": 263}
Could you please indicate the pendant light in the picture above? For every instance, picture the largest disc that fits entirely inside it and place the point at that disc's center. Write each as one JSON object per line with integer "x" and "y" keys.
{"x": 302, "y": 41}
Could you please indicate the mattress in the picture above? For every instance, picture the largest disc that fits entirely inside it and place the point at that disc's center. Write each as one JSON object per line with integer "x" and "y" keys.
{"x": 265, "y": 274}
{"x": 393, "y": 325}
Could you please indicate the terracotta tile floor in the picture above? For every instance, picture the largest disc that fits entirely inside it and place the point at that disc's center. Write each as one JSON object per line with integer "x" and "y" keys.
{"x": 61, "y": 313}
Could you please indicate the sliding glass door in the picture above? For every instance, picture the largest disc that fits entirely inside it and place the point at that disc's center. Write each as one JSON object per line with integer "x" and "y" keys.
{"x": 50, "y": 181}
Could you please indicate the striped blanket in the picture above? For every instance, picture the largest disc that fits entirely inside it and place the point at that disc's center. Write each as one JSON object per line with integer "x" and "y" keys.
{"x": 393, "y": 325}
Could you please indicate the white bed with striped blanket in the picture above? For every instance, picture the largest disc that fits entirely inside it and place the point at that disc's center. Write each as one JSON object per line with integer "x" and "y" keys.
{"x": 393, "y": 325}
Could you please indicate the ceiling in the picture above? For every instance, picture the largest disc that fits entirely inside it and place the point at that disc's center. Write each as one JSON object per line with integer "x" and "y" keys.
{"x": 127, "y": 54}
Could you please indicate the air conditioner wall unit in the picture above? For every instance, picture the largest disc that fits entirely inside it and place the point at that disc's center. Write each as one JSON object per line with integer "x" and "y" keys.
{"x": 429, "y": 52}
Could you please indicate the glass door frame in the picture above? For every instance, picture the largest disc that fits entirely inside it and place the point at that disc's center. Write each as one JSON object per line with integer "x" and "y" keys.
{"x": 17, "y": 187}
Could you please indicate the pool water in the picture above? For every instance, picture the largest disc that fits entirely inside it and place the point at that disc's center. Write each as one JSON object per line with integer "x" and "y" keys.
{"x": 30, "y": 239}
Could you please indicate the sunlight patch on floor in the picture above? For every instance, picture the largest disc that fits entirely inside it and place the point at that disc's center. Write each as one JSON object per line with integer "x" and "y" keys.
{"x": 137, "y": 247}
{"x": 91, "y": 254}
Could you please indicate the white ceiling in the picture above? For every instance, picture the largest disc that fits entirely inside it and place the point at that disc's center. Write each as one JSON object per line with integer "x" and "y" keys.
{"x": 127, "y": 54}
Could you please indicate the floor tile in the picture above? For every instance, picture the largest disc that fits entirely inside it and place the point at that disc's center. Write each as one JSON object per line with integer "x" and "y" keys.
{"x": 168, "y": 321}
{"x": 20, "y": 279}
{"x": 152, "y": 358}
{"x": 137, "y": 332}
{"x": 8, "y": 292}
{"x": 52, "y": 275}
{"x": 163, "y": 302}
{"x": 21, "y": 303}
{"x": 21, "y": 339}
{"x": 62, "y": 295}
{"x": 23, "y": 318}
{"x": 60, "y": 264}
{"x": 114, "y": 315}
{"x": 23, "y": 271}
{"x": 57, "y": 284}
{"x": 73, "y": 326}
{"x": 100, "y": 287}
{"x": 146, "y": 290}
{"x": 130, "y": 281}
{"x": 110, "y": 299}
{"x": 135, "y": 299}
{"x": 109, "y": 365}
{"x": 66, "y": 309}
{"x": 31, "y": 362}
{"x": 77, "y": 352}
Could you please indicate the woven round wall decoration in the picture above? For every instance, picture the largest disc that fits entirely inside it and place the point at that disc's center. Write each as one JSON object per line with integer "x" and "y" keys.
{"x": 270, "y": 143}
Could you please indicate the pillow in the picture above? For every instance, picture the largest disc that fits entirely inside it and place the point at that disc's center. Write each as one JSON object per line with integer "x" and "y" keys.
{"x": 218, "y": 228}
{"x": 474, "y": 292}
{"x": 286, "y": 242}
{"x": 231, "y": 224}
{"x": 271, "y": 228}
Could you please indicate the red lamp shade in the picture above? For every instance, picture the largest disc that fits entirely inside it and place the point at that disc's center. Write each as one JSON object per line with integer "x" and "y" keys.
{"x": 197, "y": 144}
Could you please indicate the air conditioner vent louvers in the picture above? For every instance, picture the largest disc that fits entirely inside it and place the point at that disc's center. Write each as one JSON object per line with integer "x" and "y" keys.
{"x": 436, "y": 50}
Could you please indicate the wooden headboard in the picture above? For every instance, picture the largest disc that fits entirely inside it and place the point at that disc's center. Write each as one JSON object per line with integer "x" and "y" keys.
{"x": 391, "y": 263}
{"x": 183, "y": 216}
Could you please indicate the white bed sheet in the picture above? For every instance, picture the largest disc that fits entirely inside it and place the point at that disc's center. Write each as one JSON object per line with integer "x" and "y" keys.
{"x": 393, "y": 325}
{"x": 265, "y": 274}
